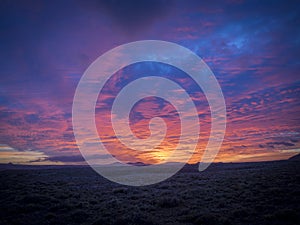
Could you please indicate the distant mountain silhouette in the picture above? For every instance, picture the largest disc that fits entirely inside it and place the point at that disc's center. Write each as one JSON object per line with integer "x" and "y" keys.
{"x": 137, "y": 164}
{"x": 295, "y": 158}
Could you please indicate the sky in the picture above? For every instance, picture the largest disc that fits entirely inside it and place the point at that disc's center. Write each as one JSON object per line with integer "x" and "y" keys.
{"x": 252, "y": 47}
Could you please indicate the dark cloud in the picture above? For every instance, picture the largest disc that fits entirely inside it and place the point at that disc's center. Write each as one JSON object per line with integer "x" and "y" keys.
{"x": 32, "y": 118}
{"x": 280, "y": 143}
{"x": 73, "y": 158}
{"x": 133, "y": 15}
{"x": 70, "y": 158}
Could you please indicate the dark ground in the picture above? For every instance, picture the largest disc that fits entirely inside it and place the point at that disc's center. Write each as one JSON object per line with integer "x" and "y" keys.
{"x": 247, "y": 193}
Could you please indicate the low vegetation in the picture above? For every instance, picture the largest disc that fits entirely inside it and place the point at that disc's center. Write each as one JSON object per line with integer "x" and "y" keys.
{"x": 249, "y": 193}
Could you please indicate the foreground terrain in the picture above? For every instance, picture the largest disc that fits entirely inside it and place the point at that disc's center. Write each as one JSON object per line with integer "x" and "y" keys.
{"x": 244, "y": 193}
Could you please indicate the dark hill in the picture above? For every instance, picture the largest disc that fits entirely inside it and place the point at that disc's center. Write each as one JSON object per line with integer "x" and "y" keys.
{"x": 295, "y": 158}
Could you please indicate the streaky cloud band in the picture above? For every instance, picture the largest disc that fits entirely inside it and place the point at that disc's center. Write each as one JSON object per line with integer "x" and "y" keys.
{"x": 97, "y": 74}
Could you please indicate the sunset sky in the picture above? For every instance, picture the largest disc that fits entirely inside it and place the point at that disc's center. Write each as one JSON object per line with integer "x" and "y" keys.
{"x": 252, "y": 47}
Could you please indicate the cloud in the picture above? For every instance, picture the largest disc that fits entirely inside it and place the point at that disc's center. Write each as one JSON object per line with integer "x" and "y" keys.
{"x": 280, "y": 143}
{"x": 135, "y": 15}
{"x": 72, "y": 158}
{"x": 6, "y": 148}
{"x": 45, "y": 48}
{"x": 11, "y": 155}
